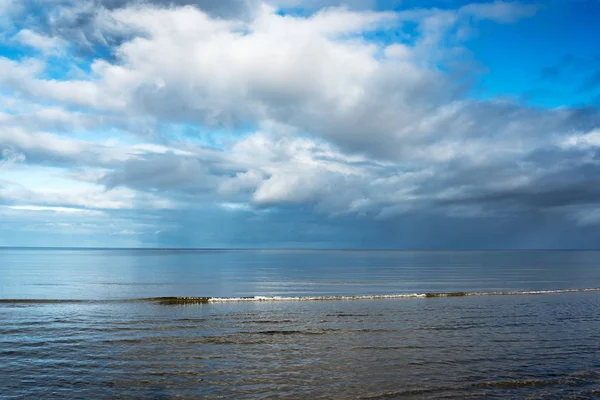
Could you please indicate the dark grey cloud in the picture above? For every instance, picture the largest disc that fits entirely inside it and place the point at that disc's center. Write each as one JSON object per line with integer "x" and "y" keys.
{"x": 538, "y": 179}
{"x": 220, "y": 8}
{"x": 299, "y": 227}
{"x": 537, "y": 196}
{"x": 163, "y": 172}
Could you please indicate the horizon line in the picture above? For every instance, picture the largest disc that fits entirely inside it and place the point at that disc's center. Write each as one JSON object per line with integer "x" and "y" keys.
{"x": 292, "y": 249}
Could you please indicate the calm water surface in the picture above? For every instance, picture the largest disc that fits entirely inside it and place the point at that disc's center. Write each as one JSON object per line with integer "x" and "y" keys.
{"x": 128, "y": 274}
{"x": 101, "y": 341}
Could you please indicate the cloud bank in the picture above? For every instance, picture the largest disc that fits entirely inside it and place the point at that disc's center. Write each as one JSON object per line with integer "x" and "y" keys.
{"x": 247, "y": 123}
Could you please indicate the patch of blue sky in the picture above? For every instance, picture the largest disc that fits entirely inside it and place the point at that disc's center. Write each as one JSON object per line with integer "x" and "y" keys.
{"x": 400, "y": 5}
{"x": 63, "y": 65}
{"x": 16, "y": 52}
{"x": 294, "y": 12}
{"x": 377, "y": 5}
{"x": 97, "y": 52}
{"x": 405, "y": 32}
{"x": 213, "y": 137}
{"x": 67, "y": 67}
{"x": 517, "y": 54}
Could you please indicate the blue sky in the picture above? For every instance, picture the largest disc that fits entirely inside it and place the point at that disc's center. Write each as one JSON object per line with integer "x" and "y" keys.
{"x": 313, "y": 124}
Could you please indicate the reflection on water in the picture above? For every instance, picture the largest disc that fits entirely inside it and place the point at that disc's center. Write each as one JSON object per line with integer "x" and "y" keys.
{"x": 434, "y": 325}
{"x": 126, "y": 274}
{"x": 454, "y": 347}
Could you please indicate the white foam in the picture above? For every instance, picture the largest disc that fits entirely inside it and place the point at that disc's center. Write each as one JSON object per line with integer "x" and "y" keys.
{"x": 312, "y": 298}
{"x": 390, "y": 296}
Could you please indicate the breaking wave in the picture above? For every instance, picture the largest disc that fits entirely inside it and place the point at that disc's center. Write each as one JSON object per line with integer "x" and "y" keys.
{"x": 207, "y": 300}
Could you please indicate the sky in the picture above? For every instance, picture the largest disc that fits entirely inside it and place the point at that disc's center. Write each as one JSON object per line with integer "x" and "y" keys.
{"x": 431, "y": 124}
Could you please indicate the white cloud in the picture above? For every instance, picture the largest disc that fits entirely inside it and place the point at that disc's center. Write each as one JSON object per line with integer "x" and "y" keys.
{"x": 91, "y": 198}
{"x": 314, "y": 73}
{"x": 66, "y": 210}
{"x": 581, "y": 140}
{"x": 46, "y": 44}
{"x": 23, "y": 78}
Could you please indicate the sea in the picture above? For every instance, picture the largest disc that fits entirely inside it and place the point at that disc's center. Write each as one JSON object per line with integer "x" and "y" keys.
{"x": 298, "y": 324}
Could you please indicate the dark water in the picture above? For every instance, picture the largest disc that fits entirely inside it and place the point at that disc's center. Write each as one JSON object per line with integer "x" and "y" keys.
{"x": 493, "y": 339}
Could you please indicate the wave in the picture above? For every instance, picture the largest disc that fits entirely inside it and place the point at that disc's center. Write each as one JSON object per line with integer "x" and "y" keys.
{"x": 208, "y": 300}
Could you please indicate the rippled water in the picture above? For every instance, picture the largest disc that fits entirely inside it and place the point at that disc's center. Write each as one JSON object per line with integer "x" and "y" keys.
{"x": 544, "y": 343}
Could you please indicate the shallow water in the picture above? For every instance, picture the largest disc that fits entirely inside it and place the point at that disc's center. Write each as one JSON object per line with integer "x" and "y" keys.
{"x": 543, "y": 345}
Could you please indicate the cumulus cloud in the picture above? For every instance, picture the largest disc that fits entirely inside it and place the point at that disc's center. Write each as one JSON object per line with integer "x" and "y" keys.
{"x": 314, "y": 72}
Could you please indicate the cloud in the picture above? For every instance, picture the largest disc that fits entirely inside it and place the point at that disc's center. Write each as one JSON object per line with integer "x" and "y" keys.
{"x": 334, "y": 117}
{"x": 500, "y": 11}
{"x": 9, "y": 156}
{"x": 161, "y": 172}
{"x": 74, "y": 21}
{"x": 49, "y": 149}
{"x": 509, "y": 174}
{"x": 45, "y": 44}
{"x": 59, "y": 210}
{"x": 312, "y": 73}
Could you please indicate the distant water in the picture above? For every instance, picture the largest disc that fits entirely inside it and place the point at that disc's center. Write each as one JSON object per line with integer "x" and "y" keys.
{"x": 95, "y": 323}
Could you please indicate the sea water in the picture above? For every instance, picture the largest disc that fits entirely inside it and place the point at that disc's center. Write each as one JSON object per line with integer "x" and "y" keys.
{"x": 101, "y": 323}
